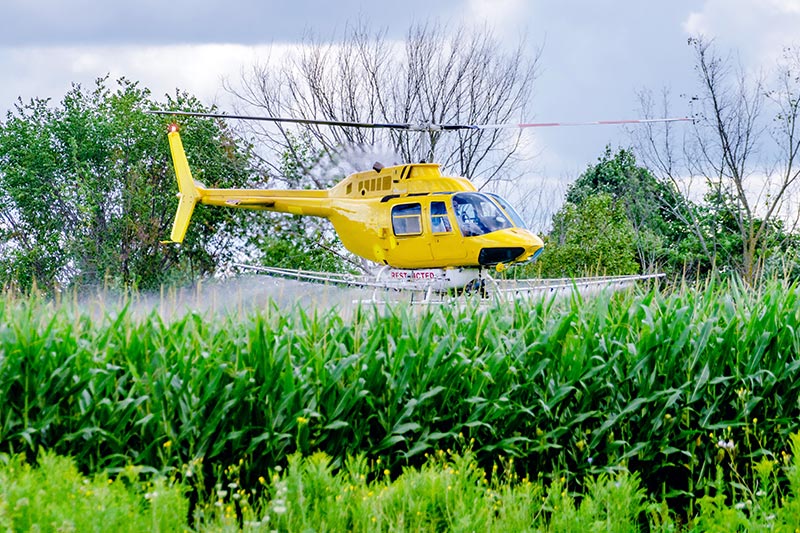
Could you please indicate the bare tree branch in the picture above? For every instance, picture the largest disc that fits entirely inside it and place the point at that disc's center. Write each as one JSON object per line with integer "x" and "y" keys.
{"x": 745, "y": 177}
{"x": 463, "y": 77}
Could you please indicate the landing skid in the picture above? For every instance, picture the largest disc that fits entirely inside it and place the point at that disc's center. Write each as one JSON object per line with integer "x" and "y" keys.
{"x": 423, "y": 285}
{"x": 430, "y": 286}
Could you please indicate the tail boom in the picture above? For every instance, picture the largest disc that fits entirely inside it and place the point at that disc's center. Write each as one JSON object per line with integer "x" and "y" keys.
{"x": 298, "y": 202}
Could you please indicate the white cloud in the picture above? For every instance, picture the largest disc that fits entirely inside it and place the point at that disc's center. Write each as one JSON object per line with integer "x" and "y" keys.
{"x": 786, "y": 6}
{"x": 497, "y": 12}
{"x": 757, "y": 29}
{"x": 507, "y": 18}
{"x": 696, "y": 24}
{"x": 46, "y": 72}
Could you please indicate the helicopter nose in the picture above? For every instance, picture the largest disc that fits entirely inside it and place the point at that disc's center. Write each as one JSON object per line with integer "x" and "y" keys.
{"x": 533, "y": 248}
{"x": 523, "y": 246}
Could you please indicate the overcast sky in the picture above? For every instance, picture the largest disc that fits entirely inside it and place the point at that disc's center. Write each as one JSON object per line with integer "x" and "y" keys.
{"x": 596, "y": 54}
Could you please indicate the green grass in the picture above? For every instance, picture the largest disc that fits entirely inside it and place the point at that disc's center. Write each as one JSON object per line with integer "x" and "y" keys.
{"x": 689, "y": 389}
{"x": 54, "y": 496}
{"x": 450, "y": 492}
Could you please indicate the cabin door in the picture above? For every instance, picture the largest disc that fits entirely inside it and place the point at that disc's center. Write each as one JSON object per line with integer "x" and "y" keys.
{"x": 447, "y": 243}
{"x": 411, "y": 243}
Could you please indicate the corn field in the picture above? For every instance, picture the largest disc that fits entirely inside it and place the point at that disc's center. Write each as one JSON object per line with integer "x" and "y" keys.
{"x": 671, "y": 386}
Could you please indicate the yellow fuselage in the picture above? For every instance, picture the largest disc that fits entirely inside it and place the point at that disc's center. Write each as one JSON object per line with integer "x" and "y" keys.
{"x": 405, "y": 216}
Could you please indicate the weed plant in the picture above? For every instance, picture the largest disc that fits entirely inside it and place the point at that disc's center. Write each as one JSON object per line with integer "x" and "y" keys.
{"x": 450, "y": 492}
{"x": 54, "y": 496}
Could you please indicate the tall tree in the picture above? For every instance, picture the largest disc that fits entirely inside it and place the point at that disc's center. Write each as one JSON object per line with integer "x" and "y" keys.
{"x": 88, "y": 190}
{"x": 744, "y": 147}
{"x": 461, "y": 77}
{"x": 640, "y": 195}
{"x": 593, "y": 237}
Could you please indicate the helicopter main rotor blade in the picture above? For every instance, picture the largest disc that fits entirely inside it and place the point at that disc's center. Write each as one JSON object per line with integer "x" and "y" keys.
{"x": 420, "y": 126}
{"x": 341, "y": 123}
{"x": 592, "y": 123}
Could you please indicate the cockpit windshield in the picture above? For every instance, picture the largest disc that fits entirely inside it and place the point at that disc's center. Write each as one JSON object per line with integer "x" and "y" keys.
{"x": 477, "y": 214}
{"x": 510, "y": 211}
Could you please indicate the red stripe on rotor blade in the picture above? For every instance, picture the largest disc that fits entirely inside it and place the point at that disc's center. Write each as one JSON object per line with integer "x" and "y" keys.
{"x": 595, "y": 123}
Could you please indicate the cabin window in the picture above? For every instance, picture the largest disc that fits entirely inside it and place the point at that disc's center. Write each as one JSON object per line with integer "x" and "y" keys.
{"x": 407, "y": 219}
{"x": 387, "y": 183}
{"x": 349, "y": 188}
{"x": 440, "y": 223}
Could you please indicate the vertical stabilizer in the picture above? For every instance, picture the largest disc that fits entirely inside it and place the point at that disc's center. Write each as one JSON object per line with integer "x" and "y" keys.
{"x": 189, "y": 193}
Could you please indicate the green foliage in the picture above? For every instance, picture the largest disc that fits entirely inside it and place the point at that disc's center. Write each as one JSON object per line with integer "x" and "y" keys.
{"x": 773, "y": 253}
{"x": 450, "y": 492}
{"x": 646, "y": 203}
{"x": 756, "y": 504}
{"x": 88, "y": 190}
{"x": 662, "y": 385}
{"x": 644, "y": 200}
{"x": 619, "y": 176}
{"x": 611, "y": 503}
{"x": 615, "y": 221}
{"x": 593, "y": 237}
{"x": 676, "y": 235}
{"x": 294, "y": 241}
{"x": 54, "y": 496}
{"x": 666, "y": 228}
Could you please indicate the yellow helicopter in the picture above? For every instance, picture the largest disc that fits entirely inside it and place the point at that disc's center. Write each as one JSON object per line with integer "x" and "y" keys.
{"x": 427, "y": 230}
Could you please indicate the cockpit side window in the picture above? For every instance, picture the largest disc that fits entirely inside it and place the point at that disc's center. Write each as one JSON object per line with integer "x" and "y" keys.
{"x": 407, "y": 220}
{"x": 477, "y": 214}
{"x": 440, "y": 222}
